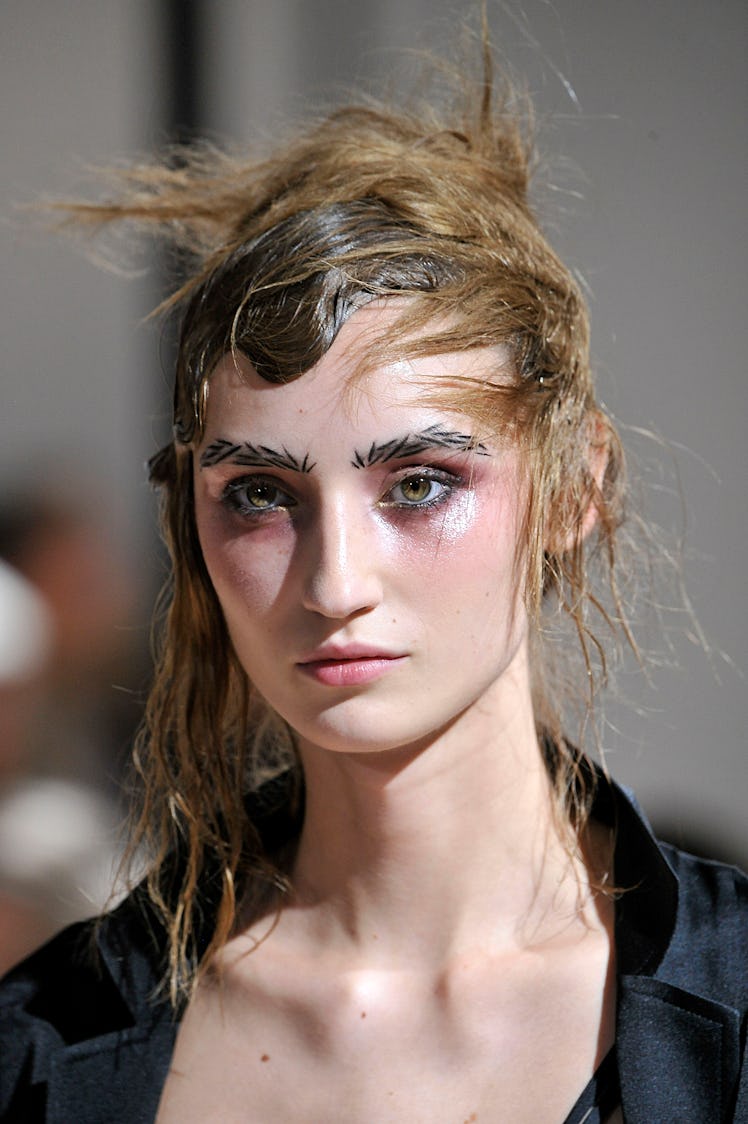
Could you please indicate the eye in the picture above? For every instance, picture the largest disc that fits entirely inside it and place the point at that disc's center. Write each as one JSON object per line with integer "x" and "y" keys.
{"x": 422, "y": 489}
{"x": 255, "y": 496}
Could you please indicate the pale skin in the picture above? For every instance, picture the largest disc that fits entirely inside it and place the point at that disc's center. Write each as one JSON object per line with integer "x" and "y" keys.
{"x": 442, "y": 958}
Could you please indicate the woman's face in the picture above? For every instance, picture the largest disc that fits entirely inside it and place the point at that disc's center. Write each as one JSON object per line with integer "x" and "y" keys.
{"x": 363, "y": 546}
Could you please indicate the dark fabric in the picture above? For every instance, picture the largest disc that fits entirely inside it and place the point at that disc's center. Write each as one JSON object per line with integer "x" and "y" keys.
{"x": 85, "y": 1040}
{"x": 601, "y": 1095}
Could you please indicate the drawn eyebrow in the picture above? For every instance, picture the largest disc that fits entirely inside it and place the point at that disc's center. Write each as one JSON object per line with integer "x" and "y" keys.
{"x": 252, "y": 456}
{"x": 434, "y": 437}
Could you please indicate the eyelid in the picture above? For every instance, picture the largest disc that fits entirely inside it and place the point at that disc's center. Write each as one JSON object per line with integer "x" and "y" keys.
{"x": 433, "y": 471}
{"x": 246, "y": 478}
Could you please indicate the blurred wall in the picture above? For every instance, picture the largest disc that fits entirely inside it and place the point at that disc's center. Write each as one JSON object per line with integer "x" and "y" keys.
{"x": 79, "y": 83}
{"x": 643, "y": 107}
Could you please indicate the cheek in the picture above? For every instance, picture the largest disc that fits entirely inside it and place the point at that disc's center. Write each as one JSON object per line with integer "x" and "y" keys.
{"x": 441, "y": 535}
{"x": 473, "y": 575}
{"x": 476, "y": 539}
{"x": 247, "y": 570}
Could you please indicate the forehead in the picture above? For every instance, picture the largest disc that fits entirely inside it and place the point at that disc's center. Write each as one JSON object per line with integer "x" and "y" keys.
{"x": 348, "y": 386}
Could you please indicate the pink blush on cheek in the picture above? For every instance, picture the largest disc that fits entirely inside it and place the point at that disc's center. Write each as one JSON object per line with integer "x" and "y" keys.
{"x": 475, "y": 520}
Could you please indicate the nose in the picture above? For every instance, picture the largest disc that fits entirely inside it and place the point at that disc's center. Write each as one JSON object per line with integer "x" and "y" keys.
{"x": 342, "y": 576}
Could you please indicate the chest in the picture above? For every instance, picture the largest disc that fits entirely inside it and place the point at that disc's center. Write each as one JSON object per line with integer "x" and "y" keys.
{"x": 506, "y": 1046}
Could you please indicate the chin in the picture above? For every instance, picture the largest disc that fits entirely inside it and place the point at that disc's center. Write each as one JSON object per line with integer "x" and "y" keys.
{"x": 376, "y": 732}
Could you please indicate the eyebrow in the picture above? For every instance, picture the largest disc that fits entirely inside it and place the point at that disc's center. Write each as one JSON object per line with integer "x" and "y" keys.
{"x": 434, "y": 437}
{"x": 252, "y": 456}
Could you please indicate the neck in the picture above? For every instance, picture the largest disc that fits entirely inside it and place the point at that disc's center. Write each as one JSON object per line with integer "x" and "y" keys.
{"x": 424, "y": 853}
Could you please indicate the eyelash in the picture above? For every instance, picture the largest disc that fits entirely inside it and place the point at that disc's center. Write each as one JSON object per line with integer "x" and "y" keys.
{"x": 234, "y": 494}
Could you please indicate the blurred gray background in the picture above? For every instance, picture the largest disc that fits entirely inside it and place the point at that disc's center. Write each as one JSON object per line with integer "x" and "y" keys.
{"x": 642, "y": 109}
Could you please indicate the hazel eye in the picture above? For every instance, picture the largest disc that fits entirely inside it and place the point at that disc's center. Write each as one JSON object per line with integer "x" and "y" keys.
{"x": 261, "y": 496}
{"x": 420, "y": 490}
{"x": 253, "y": 497}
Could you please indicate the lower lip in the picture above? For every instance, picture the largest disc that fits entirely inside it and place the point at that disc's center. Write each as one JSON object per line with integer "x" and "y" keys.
{"x": 349, "y": 673}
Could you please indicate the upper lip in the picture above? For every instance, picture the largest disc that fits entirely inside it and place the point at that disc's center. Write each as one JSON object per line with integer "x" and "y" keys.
{"x": 348, "y": 652}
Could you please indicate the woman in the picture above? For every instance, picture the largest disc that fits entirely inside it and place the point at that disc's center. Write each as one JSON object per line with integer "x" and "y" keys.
{"x": 385, "y": 885}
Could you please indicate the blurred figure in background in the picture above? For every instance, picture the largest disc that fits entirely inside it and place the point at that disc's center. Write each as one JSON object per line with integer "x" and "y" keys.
{"x": 64, "y": 596}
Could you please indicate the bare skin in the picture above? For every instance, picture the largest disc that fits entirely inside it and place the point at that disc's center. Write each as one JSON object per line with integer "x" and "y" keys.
{"x": 405, "y": 984}
{"x": 443, "y": 959}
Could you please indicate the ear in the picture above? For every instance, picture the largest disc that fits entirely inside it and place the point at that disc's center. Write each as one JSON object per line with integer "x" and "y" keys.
{"x": 575, "y": 511}
{"x": 597, "y": 457}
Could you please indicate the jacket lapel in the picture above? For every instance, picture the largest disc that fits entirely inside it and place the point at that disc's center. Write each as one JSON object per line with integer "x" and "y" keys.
{"x": 117, "y": 1076}
{"x": 678, "y": 1054}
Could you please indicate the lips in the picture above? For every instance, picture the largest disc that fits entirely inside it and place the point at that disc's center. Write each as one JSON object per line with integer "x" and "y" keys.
{"x": 346, "y": 666}
{"x": 341, "y": 652}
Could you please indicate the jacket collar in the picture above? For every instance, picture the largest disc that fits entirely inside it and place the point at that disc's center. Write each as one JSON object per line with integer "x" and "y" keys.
{"x": 678, "y": 1051}
{"x": 647, "y": 907}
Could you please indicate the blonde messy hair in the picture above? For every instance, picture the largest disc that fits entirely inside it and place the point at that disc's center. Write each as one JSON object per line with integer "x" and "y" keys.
{"x": 428, "y": 202}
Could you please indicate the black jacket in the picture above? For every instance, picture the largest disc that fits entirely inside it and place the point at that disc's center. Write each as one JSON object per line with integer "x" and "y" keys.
{"x": 83, "y": 1041}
